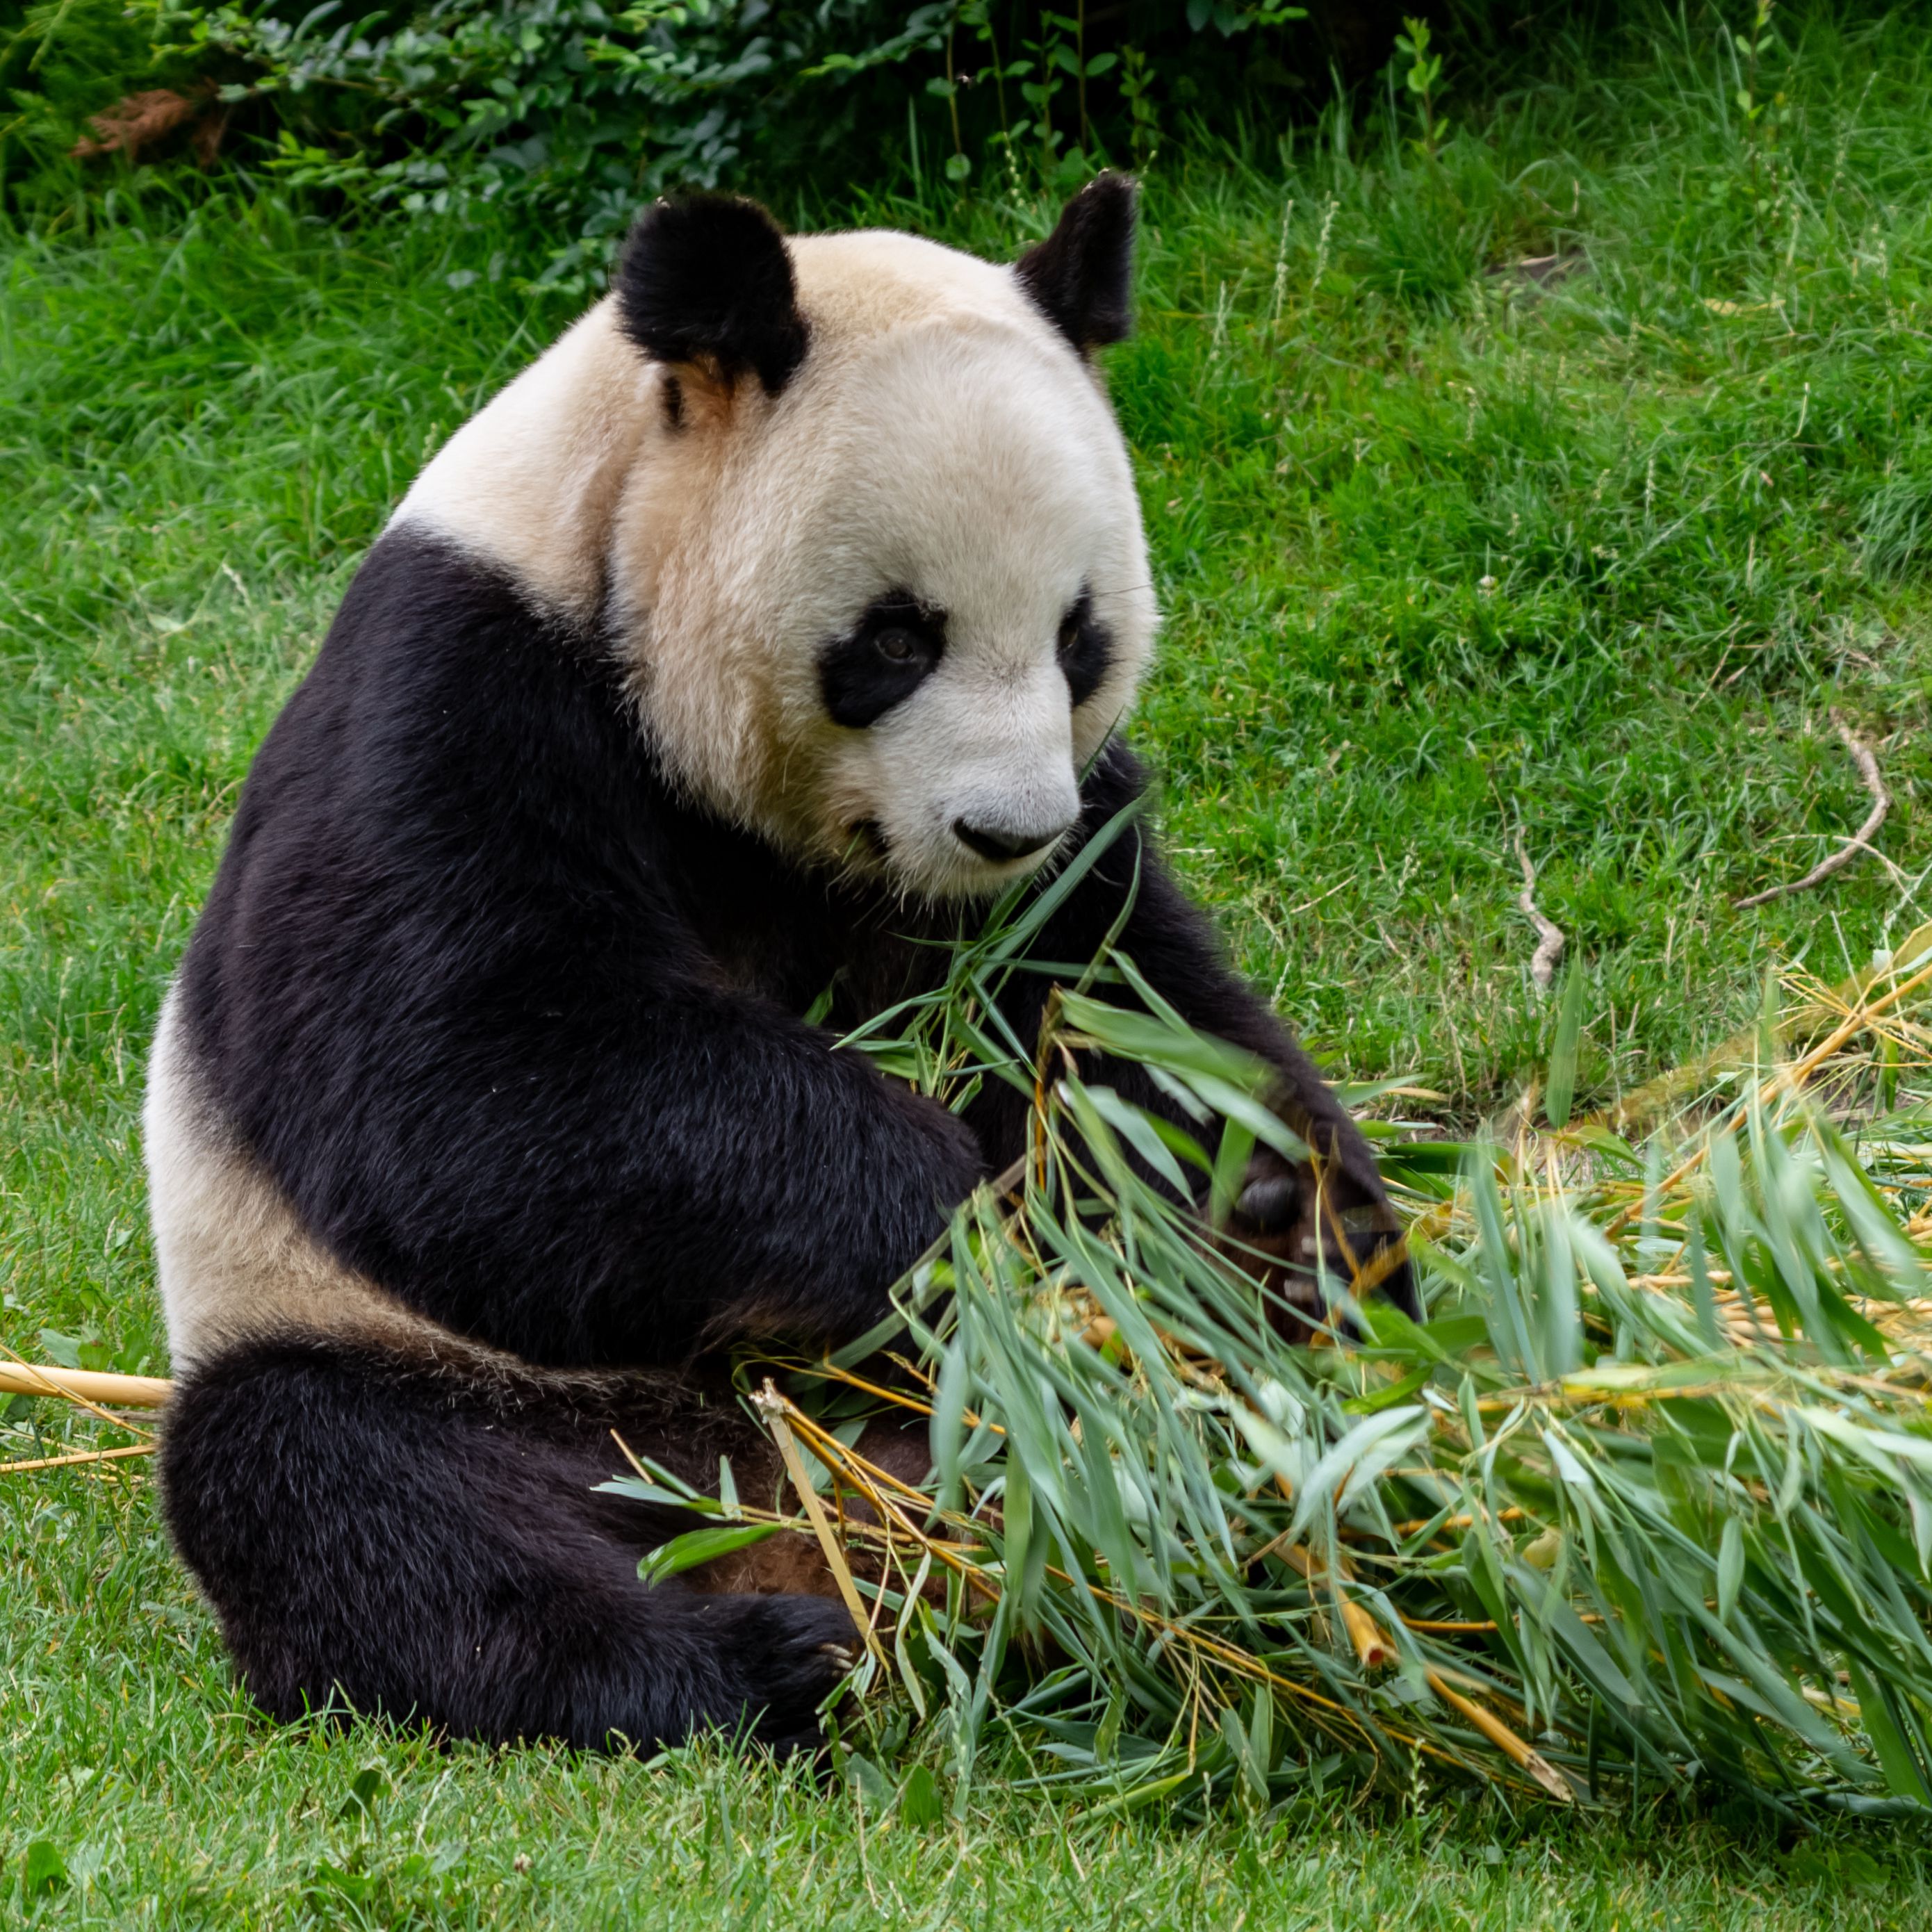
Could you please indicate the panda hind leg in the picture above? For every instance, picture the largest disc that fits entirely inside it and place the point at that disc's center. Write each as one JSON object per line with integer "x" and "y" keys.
{"x": 415, "y": 1540}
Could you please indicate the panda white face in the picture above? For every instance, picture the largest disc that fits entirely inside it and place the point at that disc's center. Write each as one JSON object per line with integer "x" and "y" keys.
{"x": 923, "y": 601}
{"x": 866, "y": 537}
{"x": 931, "y": 592}
{"x": 989, "y": 618}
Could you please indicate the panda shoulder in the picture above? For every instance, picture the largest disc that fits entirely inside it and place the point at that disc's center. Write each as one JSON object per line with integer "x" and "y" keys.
{"x": 529, "y": 485}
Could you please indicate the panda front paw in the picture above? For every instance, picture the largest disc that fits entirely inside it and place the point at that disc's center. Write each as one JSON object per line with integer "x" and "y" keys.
{"x": 791, "y": 1652}
{"x": 1308, "y": 1232}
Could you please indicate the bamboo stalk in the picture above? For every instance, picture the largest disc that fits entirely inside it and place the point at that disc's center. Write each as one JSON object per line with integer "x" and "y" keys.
{"x": 1658, "y": 1096}
{"x": 78, "y": 1456}
{"x": 1505, "y": 1739}
{"x": 1790, "y": 1078}
{"x": 773, "y": 1406}
{"x": 1375, "y": 1648}
{"x": 86, "y": 1386}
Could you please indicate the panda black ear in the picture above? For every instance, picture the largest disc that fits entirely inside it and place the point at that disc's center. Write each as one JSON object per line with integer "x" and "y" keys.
{"x": 705, "y": 280}
{"x": 1080, "y": 276}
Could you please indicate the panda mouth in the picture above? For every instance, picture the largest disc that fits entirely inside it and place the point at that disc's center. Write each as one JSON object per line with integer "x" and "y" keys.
{"x": 869, "y": 836}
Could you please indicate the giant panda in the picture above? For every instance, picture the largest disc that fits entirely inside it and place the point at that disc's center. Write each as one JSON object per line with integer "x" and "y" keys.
{"x": 784, "y": 610}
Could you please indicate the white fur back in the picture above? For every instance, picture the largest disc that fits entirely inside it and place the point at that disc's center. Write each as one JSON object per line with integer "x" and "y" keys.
{"x": 235, "y": 1263}
{"x": 531, "y": 481}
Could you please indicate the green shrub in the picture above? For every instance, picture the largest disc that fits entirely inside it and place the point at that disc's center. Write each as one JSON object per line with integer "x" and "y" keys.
{"x": 578, "y": 109}
{"x": 61, "y": 61}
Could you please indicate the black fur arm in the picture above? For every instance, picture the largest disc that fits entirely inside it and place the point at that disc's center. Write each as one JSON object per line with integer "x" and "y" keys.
{"x": 1176, "y": 949}
{"x": 625, "y": 1183}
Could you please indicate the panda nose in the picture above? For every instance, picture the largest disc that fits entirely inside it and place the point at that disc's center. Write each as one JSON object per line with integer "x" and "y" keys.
{"x": 996, "y": 843}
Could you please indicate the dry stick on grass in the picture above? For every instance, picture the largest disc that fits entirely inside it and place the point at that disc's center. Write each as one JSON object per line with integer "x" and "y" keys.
{"x": 85, "y": 1388}
{"x": 82, "y": 1386}
{"x": 1548, "y": 934}
{"x": 1860, "y": 841}
{"x": 80, "y": 1456}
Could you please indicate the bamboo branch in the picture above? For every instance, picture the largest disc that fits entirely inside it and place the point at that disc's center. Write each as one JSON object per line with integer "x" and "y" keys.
{"x": 773, "y": 1406}
{"x": 1790, "y": 1078}
{"x": 1505, "y": 1739}
{"x": 87, "y": 1386}
{"x": 78, "y": 1456}
{"x": 1657, "y": 1097}
{"x": 1375, "y": 1650}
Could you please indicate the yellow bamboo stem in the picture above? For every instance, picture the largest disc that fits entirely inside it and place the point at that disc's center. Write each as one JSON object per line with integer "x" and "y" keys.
{"x": 1792, "y": 1077}
{"x": 78, "y": 1456}
{"x": 1375, "y": 1648}
{"x": 87, "y": 1386}
{"x": 772, "y": 1406}
{"x": 1512, "y": 1514}
{"x": 1505, "y": 1739}
{"x": 1656, "y": 1097}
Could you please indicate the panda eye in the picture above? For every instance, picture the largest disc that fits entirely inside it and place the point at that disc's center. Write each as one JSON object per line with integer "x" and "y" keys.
{"x": 1084, "y": 650}
{"x": 896, "y": 645}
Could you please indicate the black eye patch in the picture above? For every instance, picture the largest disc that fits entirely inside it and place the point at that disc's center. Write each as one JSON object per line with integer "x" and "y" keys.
{"x": 1086, "y": 650}
{"x": 882, "y": 660}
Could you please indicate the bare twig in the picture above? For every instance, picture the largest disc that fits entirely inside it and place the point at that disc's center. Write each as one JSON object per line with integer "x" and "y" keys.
{"x": 86, "y": 1388}
{"x": 80, "y": 1456}
{"x": 774, "y": 1409}
{"x": 1860, "y": 841}
{"x": 1548, "y": 934}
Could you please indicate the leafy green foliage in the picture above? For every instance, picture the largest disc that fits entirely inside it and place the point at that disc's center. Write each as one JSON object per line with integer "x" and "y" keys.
{"x": 43, "y": 1870}
{"x": 60, "y": 60}
{"x": 1422, "y": 79}
{"x": 574, "y": 111}
{"x": 1247, "y": 1557}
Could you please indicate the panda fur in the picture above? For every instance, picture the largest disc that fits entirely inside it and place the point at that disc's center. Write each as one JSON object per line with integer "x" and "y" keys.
{"x": 745, "y": 641}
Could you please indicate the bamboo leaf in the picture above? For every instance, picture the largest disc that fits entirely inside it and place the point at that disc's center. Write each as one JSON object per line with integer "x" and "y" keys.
{"x": 1730, "y": 1568}
{"x": 701, "y": 1545}
{"x": 1905, "y": 1772}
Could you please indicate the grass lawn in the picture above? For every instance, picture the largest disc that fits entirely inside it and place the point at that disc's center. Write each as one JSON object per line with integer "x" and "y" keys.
{"x": 1451, "y": 550}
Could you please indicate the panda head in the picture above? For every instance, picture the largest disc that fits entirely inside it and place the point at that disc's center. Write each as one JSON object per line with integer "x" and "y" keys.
{"x": 876, "y": 574}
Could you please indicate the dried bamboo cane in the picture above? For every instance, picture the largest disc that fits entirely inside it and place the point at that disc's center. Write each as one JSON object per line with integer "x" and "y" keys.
{"x": 772, "y": 1406}
{"x": 85, "y": 1386}
{"x": 80, "y": 1456}
{"x": 1646, "y": 1104}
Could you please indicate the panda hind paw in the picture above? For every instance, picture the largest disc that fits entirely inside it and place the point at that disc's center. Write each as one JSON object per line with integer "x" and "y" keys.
{"x": 794, "y": 1649}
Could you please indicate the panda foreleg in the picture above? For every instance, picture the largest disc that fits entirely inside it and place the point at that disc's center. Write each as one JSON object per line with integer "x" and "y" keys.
{"x": 1329, "y": 1214}
{"x": 423, "y": 1539}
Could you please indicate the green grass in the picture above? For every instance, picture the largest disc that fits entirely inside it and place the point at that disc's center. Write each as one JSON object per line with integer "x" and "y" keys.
{"x": 1699, "y": 471}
